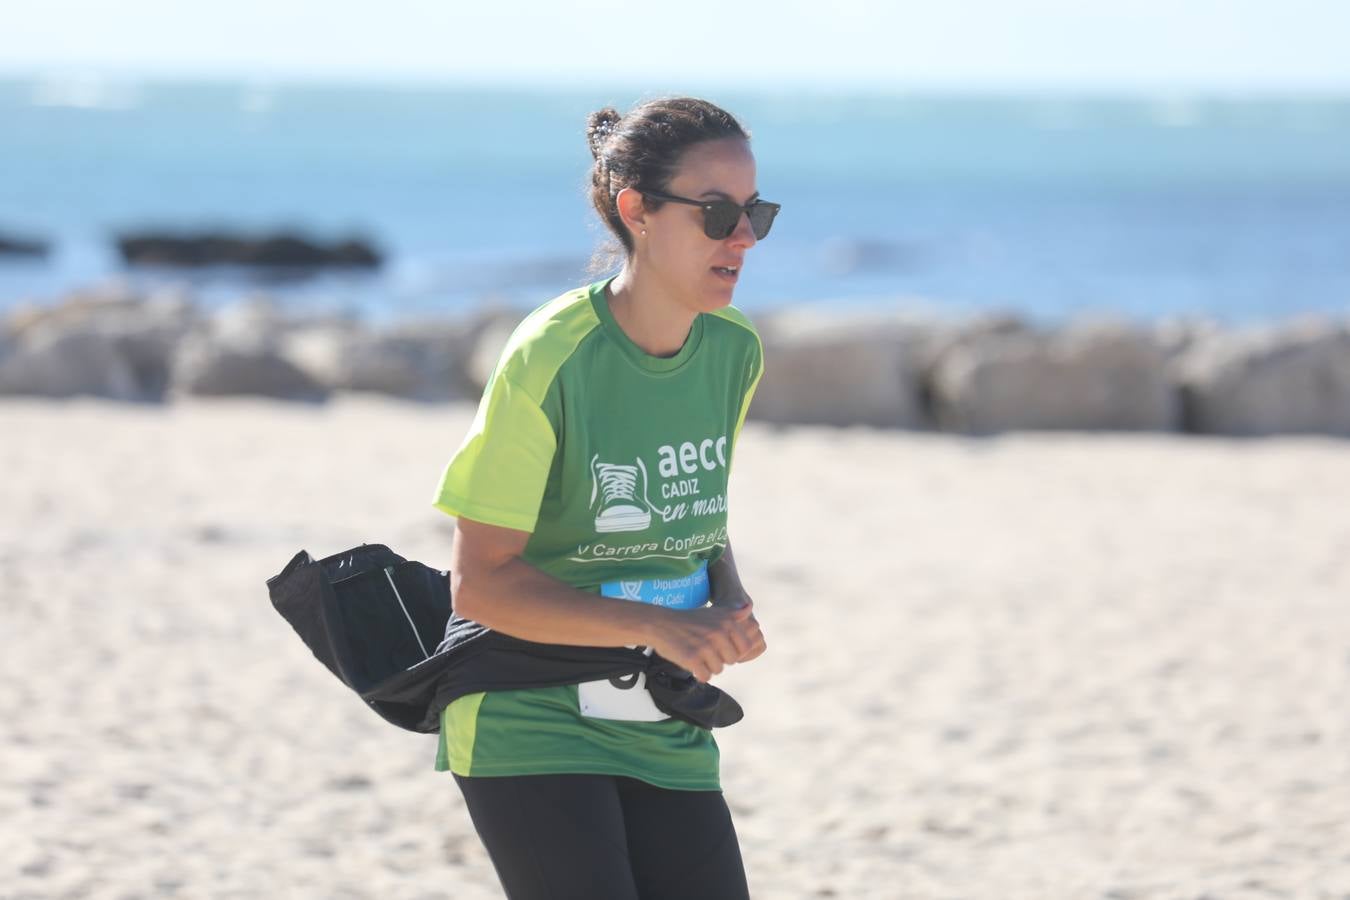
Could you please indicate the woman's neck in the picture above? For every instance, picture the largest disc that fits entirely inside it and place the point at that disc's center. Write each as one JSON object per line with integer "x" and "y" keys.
{"x": 650, "y": 317}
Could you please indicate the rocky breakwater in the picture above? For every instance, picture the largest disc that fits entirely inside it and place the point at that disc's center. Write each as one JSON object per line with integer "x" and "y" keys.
{"x": 994, "y": 373}
{"x": 895, "y": 368}
{"x": 113, "y": 343}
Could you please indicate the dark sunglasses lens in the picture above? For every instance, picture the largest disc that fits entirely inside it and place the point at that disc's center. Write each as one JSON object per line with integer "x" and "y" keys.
{"x": 719, "y": 219}
{"x": 761, "y": 219}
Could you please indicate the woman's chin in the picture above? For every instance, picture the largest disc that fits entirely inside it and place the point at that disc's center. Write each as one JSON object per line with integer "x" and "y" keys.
{"x": 715, "y": 300}
{"x": 720, "y": 291}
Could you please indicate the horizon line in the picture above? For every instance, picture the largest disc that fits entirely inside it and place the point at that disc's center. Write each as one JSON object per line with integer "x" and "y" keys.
{"x": 1063, "y": 89}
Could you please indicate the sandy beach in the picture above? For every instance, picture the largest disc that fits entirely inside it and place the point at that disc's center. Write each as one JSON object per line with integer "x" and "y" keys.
{"x": 1038, "y": 665}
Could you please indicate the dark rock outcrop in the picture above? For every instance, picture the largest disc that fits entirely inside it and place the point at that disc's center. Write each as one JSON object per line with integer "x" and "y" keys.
{"x": 283, "y": 250}
{"x": 13, "y": 245}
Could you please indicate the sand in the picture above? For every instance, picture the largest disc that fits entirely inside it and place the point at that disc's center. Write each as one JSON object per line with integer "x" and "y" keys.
{"x": 1036, "y": 665}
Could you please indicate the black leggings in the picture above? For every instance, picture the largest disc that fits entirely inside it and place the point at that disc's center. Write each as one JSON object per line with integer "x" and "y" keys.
{"x": 595, "y": 837}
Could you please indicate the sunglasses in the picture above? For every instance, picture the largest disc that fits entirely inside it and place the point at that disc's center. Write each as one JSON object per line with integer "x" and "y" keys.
{"x": 720, "y": 217}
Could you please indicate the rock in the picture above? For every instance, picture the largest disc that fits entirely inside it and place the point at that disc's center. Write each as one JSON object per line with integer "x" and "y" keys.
{"x": 14, "y": 245}
{"x": 93, "y": 303}
{"x": 828, "y": 368}
{"x": 149, "y": 341}
{"x": 418, "y": 362}
{"x": 205, "y": 367}
{"x": 258, "y": 320}
{"x": 221, "y": 248}
{"x": 326, "y": 355}
{"x": 1293, "y": 378}
{"x": 57, "y": 363}
{"x": 255, "y": 322}
{"x": 105, "y": 322}
{"x": 1099, "y": 375}
{"x": 1175, "y": 335}
{"x": 441, "y": 350}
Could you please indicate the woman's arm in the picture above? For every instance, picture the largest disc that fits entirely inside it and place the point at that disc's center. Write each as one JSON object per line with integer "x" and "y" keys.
{"x": 727, "y": 592}
{"x": 492, "y": 585}
{"x": 724, "y": 581}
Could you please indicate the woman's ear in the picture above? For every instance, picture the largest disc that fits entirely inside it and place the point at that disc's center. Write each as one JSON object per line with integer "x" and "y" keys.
{"x": 631, "y": 209}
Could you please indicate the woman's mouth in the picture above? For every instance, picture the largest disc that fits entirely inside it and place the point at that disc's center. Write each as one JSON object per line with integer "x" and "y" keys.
{"x": 728, "y": 273}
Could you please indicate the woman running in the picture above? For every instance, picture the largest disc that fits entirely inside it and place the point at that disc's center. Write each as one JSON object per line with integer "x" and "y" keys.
{"x": 590, "y": 497}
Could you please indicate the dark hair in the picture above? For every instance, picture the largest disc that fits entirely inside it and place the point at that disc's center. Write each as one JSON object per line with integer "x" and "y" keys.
{"x": 642, "y": 150}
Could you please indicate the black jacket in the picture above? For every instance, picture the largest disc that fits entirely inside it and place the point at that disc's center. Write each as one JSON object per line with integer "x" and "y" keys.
{"x": 373, "y": 618}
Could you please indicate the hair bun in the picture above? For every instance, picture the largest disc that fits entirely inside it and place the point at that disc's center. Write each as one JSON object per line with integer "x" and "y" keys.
{"x": 599, "y": 126}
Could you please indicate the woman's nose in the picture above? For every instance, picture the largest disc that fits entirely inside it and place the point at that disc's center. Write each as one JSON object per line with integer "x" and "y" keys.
{"x": 744, "y": 235}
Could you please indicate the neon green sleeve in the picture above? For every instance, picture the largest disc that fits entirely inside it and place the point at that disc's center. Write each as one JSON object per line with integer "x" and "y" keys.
{"x": 750, "y": 391}
{"x": 756, "y": 367}
{"x": 499, "y": 473}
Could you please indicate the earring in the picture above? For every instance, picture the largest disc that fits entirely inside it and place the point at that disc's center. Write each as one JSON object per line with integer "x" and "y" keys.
{"x": 644, "y": 231}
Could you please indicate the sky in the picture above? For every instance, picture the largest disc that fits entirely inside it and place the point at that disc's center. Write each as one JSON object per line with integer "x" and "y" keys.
{"x": 1233, "y": 46}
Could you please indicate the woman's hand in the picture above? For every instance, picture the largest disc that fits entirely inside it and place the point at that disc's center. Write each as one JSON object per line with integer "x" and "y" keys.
{"x": 706, "y": 640}
{"x": 725, "y": 590}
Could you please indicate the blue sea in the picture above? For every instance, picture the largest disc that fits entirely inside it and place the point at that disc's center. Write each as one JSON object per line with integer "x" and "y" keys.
{"x": 1046, "y": 206}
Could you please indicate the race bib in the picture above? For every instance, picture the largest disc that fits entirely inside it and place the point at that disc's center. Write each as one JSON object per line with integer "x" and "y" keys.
{"x": 625, "y": 697}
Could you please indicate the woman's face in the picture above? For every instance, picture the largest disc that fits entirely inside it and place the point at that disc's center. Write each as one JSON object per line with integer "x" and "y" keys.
{"x": 675, "y": 247}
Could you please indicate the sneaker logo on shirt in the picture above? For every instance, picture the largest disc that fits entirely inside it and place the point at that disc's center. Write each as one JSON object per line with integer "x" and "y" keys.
{"x": 622, "y": 492}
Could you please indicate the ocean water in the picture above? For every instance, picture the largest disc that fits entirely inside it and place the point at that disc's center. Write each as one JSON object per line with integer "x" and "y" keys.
{"x": 1238, "y": 209}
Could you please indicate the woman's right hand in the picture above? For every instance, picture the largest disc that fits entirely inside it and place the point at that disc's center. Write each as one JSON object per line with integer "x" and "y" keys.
{"x": 706, "y": 640}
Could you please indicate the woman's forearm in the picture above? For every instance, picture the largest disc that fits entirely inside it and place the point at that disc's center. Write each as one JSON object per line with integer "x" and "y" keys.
{"x": 491, "y": 584}
{"x": 518, "y": 599}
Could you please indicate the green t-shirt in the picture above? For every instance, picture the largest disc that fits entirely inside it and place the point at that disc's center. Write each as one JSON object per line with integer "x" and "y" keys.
{"x": 616, "y": 462}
